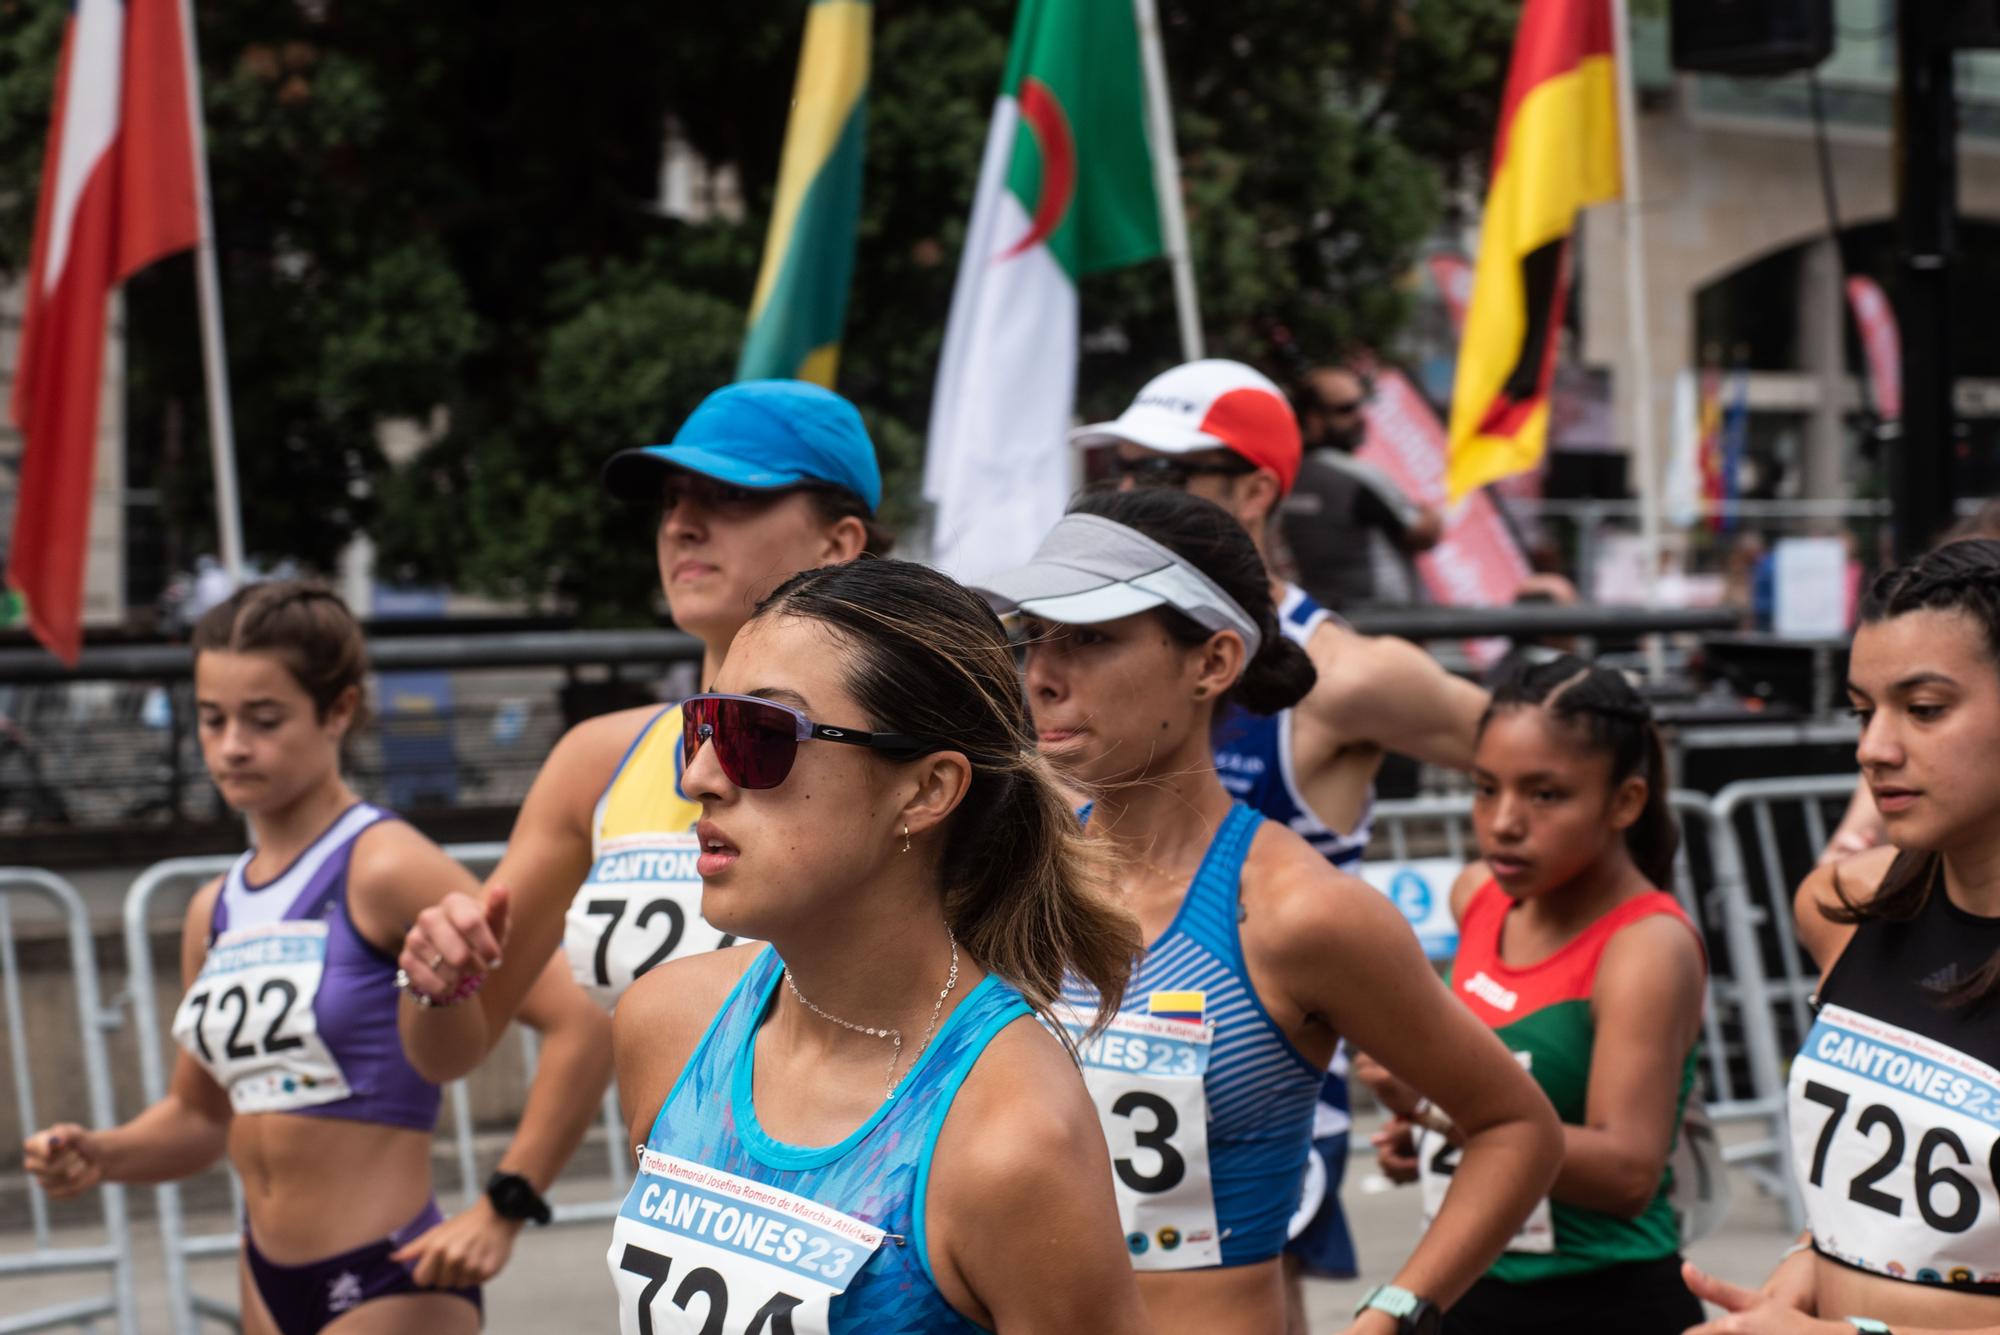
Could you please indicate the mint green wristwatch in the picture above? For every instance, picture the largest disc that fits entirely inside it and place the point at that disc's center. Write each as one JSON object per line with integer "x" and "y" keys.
{"x": 1869, "y": 1323}
{"x": 1414, "y": 1315}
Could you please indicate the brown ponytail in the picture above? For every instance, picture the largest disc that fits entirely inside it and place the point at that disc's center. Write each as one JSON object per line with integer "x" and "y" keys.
{"x": 929, "y": 659}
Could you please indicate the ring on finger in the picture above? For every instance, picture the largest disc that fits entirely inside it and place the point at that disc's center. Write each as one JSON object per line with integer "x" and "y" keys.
{"x": 437, "y": 962}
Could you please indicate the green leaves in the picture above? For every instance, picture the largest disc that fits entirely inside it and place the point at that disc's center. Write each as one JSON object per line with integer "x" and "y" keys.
{"x": 446, "y": 215}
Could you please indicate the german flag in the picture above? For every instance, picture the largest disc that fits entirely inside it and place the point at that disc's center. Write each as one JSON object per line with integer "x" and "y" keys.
{"x": 1556, "y": 153}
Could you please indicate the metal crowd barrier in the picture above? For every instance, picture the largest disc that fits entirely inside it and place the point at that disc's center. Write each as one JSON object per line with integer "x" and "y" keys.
{"x": 114, "y": 1255}
{"x": 1760, "y": 983}
{"x": 186, "y": 1308}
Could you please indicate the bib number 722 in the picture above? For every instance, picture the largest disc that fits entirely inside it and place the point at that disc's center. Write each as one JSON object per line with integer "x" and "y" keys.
{"x": 773, "y": 1318}
{"x": 233, "y": 1046}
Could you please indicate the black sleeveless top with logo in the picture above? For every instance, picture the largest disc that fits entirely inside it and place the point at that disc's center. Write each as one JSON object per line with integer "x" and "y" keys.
{"x": 1895, "y": 1104}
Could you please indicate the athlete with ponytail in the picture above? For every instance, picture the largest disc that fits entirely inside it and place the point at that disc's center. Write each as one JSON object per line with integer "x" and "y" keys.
{"x": 1895, "y": 1094}
{"x": 290, "y": 1063}
{"x": 1593, "y": 976}
{"x": 1220, "y": 430}
{"x": 1146, "y": 613}
{"x": 859, "y": 1127}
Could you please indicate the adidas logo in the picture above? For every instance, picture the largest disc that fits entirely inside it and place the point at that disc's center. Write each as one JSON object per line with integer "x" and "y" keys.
{"x": 1944, "y": 980}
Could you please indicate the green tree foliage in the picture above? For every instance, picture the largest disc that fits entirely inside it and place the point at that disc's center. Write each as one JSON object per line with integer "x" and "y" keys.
{"x": 446, "y": 213}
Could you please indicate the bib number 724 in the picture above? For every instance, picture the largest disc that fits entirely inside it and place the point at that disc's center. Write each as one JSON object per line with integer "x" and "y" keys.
{"x": 773, "y": 1318}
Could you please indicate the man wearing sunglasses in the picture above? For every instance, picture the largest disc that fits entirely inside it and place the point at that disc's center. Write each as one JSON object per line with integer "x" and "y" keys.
{"x": 1350, "y": 528}
{"x": 1222, "y": 431}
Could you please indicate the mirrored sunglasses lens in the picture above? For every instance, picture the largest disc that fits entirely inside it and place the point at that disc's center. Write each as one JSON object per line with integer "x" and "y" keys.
{"x": 754, "y": 743}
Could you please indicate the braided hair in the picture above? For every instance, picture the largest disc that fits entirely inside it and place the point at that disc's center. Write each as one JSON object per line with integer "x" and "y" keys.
{"x": 1600, "y": 708}
{"x": 1959, "y": 576}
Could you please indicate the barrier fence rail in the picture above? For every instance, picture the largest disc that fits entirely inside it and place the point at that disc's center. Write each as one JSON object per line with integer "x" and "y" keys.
{"x": 114, "y": 1254}
{"x": 1743, "y": 850}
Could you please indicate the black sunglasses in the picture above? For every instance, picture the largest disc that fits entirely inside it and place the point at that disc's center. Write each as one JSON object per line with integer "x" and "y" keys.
{"x": 756, "y": 740}
{"x": 1170, "y": 470}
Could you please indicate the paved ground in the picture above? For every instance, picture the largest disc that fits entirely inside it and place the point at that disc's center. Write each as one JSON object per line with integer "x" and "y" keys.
{"x": 557, "y": 1280}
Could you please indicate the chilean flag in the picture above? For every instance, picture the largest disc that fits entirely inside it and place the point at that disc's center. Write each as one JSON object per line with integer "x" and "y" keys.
{"x": 118, "y": 192}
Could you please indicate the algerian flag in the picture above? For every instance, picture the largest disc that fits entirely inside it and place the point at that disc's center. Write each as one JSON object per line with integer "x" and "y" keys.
{"x": 1065, "y": 189}
{"x": 801, "y": 297}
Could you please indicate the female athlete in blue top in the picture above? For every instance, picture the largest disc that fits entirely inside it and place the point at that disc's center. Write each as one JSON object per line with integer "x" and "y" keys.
{"x": 860, "y": 1127}
{"x": 1145, "y": 613}
{"x": 291, "y": 1063}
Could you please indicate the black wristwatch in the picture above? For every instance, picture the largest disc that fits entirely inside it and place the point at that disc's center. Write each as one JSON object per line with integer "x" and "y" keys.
{"x": 514, "y": 1197}
{"x": 1414, "y": 1315}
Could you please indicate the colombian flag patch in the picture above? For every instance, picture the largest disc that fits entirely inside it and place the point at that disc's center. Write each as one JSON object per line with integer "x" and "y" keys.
{"x": 1191, "y": 1006}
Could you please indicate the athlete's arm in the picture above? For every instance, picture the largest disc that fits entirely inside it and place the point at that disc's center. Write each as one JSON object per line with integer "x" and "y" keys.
{"x": 570, "y": 1078}
{"x": 1646, "y": 1004}
{"x": 1860, "y": 827}
{"x": 1748, "y": 1312}
{"x": 1342, "y": 953}
{"x": 660, "y": 1021}
{"x": 1388, "y": 692}
{"x": 548, "y": 855}
{"x": 394, "y": 874}
{"x": 182, "y": 1134}
{"x": 1022, "y": 1222}
{"x": 1857, "y": 877}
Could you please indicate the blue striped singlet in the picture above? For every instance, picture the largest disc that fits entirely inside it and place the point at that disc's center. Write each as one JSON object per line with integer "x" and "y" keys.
{"x": 1260, "y": 1087}
{"x": 778, "y": 1224}
{"x": 1253, "y": 754}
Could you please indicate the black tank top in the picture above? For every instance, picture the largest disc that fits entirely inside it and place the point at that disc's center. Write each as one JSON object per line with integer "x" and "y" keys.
{"x": 1895, "y": 1104}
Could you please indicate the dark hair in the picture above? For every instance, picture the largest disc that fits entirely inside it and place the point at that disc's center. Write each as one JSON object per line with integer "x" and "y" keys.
{"x": 1600, "y": 707}
{"x": 930, "y": 659}
{"x": 303, "y": 626}
{"x": 1957, "y": 576}
{"x": 1210, "y": 539}
{"x": 837, "y": 503}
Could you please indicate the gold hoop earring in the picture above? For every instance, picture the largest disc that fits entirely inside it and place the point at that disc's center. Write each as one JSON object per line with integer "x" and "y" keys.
{"x": 906, "y": 836}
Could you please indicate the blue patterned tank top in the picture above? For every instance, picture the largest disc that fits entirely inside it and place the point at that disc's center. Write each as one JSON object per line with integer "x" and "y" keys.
{"x": 830, "y": 1239}
{"x": 1253, "y": 754}
{"x": 1259, "y": 1088}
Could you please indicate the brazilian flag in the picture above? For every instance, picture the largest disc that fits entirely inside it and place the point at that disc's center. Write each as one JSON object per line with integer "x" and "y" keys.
{"x": 801, "y": 297}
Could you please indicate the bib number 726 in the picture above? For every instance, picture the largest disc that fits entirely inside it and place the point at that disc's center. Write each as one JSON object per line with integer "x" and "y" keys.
{"x": 709, "y": 1287}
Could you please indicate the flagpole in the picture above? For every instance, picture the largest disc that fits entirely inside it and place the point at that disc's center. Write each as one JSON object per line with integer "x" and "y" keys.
{"x": 1636, "y": 322}
{"x": 208, "y": 288}
{"x": 1167, "y": 178}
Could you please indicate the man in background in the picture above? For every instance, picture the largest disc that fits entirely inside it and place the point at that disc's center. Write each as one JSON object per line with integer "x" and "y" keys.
{"x": 1351, "y": 530}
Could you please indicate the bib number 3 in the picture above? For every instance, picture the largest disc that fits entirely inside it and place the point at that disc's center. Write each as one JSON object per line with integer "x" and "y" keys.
{"x": 1146, "y": 1077}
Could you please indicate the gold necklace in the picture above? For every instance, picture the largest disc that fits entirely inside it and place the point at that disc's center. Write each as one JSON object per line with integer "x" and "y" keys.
{"x": 930, "y": 1030}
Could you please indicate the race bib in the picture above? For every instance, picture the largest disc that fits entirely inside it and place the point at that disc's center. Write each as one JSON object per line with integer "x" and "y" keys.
{"x": 1145, "y": 1076}
{"x": 1896, "y": 1147}
{"x": 696, "y": 1251}
{"x": 1437, "y": 1161}
{"x": 249, "y": 1018}
{"x": 640, "y": 907}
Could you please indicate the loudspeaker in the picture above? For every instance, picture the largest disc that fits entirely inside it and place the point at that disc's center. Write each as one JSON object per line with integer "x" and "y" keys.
{"x": 1751, "y": 36}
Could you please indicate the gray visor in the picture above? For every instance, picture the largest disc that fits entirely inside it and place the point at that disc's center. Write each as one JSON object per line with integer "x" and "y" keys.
{"x": 1090, "y": 569}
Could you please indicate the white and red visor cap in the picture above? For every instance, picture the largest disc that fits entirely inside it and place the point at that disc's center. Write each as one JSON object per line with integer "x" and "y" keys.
{"x": 1208, "y": 405}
